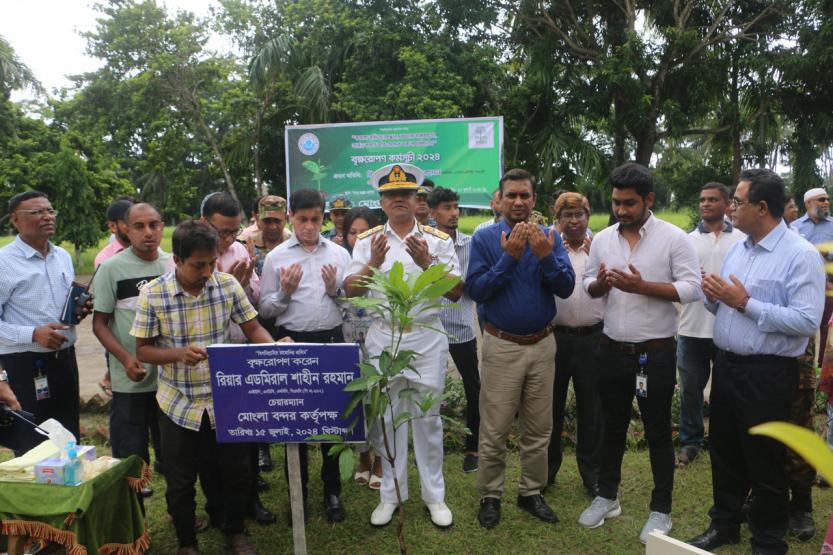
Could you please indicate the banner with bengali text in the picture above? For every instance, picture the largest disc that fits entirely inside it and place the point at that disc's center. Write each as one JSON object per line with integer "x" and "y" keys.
{"x": 283, "y": 392}
{"x": 464, "y": 154}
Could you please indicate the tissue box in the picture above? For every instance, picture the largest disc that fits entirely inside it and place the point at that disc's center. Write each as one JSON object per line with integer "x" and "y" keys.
{"x": 86, "y": 452}
{"x": 51, "y": 471}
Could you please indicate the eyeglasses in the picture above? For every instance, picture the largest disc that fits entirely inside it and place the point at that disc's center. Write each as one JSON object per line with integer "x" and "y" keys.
{"x": 226, "y": 233}
{"x": 40, "y": 212}
{"x": 738, "y": 202}
{"x": 579, "y": 215}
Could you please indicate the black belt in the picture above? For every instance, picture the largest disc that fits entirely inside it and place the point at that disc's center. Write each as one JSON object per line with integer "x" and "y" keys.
{"x": 756, "y": 359}
{"x": 580, "y": 330}
{"x": 637, "y": 348}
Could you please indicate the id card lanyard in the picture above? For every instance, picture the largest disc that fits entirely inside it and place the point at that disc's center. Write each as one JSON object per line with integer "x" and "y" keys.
{"x": 41, "y": 382}
{"x": 642, "y": 377}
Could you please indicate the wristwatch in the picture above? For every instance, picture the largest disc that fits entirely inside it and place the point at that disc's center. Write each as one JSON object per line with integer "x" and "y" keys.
{"x": 4, "y": 376}
{"x": 742, "y": 306}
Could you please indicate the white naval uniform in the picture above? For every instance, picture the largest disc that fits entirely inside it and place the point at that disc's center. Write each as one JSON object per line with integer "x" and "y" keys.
{"x": 431, "y": 366}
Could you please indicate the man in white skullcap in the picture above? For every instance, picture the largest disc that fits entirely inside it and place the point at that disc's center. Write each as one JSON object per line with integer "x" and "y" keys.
{"x": 817, "y": 227}
{"x": 417, "y": 246}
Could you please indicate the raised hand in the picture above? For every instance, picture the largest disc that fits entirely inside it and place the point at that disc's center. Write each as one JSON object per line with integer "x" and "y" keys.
{"x": 290, "y": 278}
{"x": 629, "y": 282}
{"x": 540, "y": 243}
{"x": 242, "y": 271}
{"x": 417, "y": 247}
{"x": 516, "y": 243}
{"x": 329, "y": 274}
{"x": 378, "y": 249}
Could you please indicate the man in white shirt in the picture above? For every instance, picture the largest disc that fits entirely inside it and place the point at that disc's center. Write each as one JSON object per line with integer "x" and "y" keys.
{"x": 712, "y": 239}
{"x": 578, "y": 328}
{"x": 417, "y": 247}
{"x": 642, "y": 266}
{"x": 301, "y": 282}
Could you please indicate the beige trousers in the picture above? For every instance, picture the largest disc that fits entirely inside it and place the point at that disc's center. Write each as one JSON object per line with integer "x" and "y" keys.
{"x": 515, "y": 379}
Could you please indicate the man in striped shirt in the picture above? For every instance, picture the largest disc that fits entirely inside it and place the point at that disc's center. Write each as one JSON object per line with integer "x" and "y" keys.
{"x": 178, "y": 315}
{"x": 459, "y": 321}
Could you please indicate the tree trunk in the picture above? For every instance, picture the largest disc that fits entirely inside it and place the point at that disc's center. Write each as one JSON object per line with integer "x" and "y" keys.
{"x": 259, "y": 185}
{"x": 734, "y": 96}
{"x": 645, "y": 149}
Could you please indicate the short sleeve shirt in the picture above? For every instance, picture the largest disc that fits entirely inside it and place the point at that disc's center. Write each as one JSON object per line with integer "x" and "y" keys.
{"x": 115, "y": 291}
{"x": 176, "y": 318}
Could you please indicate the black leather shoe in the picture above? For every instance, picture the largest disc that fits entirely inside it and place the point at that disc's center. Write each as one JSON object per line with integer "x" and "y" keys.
{"x": 713, "y": 538}
{"x": 334, "y": 509}
{"x": 262, "y": 485}
{"x": 489, "y": 515}
{"x": 802, "y": 526}
{"x": 261, "y": 514}
{"x": 264, "y": 458}
{"x": 537, "y": 507}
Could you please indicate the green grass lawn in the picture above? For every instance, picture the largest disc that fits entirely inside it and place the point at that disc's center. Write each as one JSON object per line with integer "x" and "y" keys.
{"x": 518, "y": 532}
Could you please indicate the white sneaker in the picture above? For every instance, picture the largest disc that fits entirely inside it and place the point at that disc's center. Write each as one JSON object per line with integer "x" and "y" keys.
{"x": 600, "y": 509}
{"x": 440, "y": 514}
{"x": 382, "y": 514}
{"x": 657, "y": 522}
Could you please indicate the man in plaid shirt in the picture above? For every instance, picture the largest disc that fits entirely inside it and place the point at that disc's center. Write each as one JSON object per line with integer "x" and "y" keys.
{"x": 178, "y": 315}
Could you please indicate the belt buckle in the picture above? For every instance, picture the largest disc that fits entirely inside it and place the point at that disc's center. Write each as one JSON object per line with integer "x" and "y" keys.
{"x": 629, "y": 348}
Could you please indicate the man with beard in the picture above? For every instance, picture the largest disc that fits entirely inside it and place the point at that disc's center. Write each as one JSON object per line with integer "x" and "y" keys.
{"x": 516, "y": 270}
{"x": 271, "y": 219}
{"x": 712, "y": 239}
{"x": 115, "y": 290}
{"x": 767, "y": 302}
{"x": 117, "y": 224}
{"x": 178, "y": 315}
{"x": 817, "y": 227}
{"x": 36, "y": 349}
{"x": 642, "y": 265}
{"x": 458, "y": 320}
{"x": 403, "y": 239}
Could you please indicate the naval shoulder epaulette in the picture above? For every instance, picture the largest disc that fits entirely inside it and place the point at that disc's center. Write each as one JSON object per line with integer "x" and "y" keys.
{"x": 435, "y": 232}
{"x": 370, "y": 232}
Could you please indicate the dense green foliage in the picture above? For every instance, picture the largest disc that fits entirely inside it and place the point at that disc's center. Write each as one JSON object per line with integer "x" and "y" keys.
{"x": 697, "y": 90}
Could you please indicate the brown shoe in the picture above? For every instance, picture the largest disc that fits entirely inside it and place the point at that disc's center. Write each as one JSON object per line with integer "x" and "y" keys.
{"x": 190, "y": 550}
{"x": 239, "y": 544}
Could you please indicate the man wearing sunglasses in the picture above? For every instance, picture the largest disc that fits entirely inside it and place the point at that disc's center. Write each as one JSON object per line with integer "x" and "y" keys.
{"x": 36, "y": 349}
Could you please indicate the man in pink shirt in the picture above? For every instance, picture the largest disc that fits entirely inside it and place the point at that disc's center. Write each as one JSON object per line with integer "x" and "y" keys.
{"x": 117, "y": 224}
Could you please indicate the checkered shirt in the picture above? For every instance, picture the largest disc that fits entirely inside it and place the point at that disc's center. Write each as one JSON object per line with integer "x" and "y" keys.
{"x": 177, "y": 319}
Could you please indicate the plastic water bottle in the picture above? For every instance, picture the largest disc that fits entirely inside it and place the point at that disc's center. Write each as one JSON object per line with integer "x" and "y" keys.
{"x": 72, "y": 471}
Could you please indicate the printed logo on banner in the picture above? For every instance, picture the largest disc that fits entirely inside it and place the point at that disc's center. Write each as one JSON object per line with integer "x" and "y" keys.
{"x": 308, "y": 144}
{"x": 482, "y": 135}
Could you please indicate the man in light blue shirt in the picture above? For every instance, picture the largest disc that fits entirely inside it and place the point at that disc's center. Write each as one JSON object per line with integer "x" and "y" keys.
{"x": 767, "y": 303}
{"x": 36, "y": 349}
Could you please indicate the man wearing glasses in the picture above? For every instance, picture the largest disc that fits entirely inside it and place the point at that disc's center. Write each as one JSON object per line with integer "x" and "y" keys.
{"x": 36, "y": 349}
{"x": 767, "y": 301}
{"x": 222, "y": 212}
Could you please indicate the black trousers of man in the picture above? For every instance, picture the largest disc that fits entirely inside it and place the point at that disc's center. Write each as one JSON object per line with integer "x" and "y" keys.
{"x": 747, "y": 391}
{"x": 329, "y": 466}
{"x": 225, "y": 475}
{"x": 574, "y": 361}
{"x": 464, "y": 356}
{"x": 61, "y": 371}
{"x": 134, "y": 421}
{"x": 617, "y": 383}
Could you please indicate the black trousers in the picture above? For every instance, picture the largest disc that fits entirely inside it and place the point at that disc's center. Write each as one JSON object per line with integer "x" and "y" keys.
{"x": 134, "y": 423}
{"x": 330, "y": 475}
{"x": 746, "y": 393}
{"x": 574, "y": 361}
{"x": 617, "y": 383}
{"x": 464, "y": 356}
{"x": 61, "y": 371}
{"x": 225, "y": 475}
